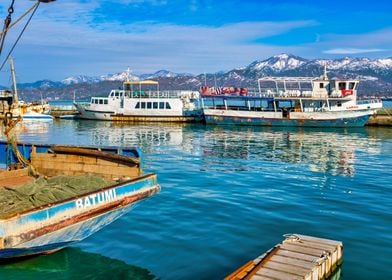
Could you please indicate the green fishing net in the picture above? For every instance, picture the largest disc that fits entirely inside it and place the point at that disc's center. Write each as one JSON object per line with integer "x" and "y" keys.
{"x": 47, "y": 191}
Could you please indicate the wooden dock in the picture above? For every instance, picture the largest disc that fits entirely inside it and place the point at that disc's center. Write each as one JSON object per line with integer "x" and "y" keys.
{"x": 297, "y": 257}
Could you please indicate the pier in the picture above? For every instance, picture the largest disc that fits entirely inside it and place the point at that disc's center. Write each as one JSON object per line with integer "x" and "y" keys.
{"x": 383, "y": 117}
{"x": 63, "y": 110}
{"x": 297, "y": 257}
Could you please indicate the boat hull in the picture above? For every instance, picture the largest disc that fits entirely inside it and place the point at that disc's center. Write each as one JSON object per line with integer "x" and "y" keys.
{"x": 158, "y": 116}
{"x": 53, "y": 227}
{"x": 351, "y": 119}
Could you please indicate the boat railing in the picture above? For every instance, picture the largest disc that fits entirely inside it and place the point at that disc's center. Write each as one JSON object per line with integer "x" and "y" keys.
{"x": 164, "y": 94}
{"x": 369, "y": 101}
{"x": 297, "y": 93}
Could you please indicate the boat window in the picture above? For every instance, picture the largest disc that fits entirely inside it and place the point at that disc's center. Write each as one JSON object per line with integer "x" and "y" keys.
{"x": 116, "y": 93}
{"x": 351, "y": 85}
{"x": 168, "y": 105}
{"x": 137, "y": 105}
{"x": 321, "y": 85}
{"x": 143, "y": 105}
{"x": 100, "y": 101}
{"x": 148, "y": 105}
{"x": 155, "y": 105}
{"x": 339, "y": 104}
{"x": 161, "y": 105}
{"x": 342, "y": 86}
{"x": 105, "y": 101}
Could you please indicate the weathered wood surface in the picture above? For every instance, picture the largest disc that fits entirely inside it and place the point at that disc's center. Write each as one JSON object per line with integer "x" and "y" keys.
{"x": 14, "y": 178}
{"x": 128, "y": 160}
{"x": 73, "y": 165}
{"x": 297, "y": 257}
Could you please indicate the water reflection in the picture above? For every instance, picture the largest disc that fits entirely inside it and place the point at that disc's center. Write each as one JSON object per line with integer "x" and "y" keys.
{"x": 28, "y": 128}
{"x": 72, "y": 263}
{"x": 332, "y": 151}
{"x": 223, "y": 148}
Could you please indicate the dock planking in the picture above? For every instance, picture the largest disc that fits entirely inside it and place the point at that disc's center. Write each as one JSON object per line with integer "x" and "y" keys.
{"x": 296, "y": 257}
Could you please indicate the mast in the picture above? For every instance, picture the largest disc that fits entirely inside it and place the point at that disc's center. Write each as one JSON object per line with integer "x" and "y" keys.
{"x": 16, "y": 100}
{"x": 325, "y": 76}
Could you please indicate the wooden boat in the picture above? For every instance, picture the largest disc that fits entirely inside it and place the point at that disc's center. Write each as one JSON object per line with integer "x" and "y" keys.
{"x": 10, "y": 103}
{"x": 51, "y": 224}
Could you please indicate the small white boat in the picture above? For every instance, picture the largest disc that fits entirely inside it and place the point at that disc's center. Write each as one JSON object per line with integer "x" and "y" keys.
{"x": 292, "y": 101}
{"x": 34, "y": 116}
{"x": 142, "y": 101}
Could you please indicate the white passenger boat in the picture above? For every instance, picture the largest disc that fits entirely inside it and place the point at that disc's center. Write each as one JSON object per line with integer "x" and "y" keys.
{"x": 143, "y": 101}
{"x": 292, "y": 101}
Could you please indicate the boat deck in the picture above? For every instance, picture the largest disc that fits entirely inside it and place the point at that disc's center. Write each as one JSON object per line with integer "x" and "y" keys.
{"x": 297, "y": 257}
{"x": 14, "y": 178}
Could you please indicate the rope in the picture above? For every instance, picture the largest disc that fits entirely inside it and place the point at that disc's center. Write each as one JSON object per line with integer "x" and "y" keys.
{"x": 19, "y": 19}
{"x": 7, "y": 23}
{"x": 9, "y": 125}
{"x": 20, "y": 35}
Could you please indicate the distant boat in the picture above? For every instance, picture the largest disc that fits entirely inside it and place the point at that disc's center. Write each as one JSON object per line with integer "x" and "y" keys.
{"x": 35, "y": 219}
{"x": 143, "y": 101}
{"x": 34, "y": 116}
{"x": 291, "y": 101}
{"x": 10, "y": 103}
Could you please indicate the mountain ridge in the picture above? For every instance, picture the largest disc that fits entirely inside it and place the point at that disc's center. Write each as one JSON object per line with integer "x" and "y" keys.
{"x": 376, "y": 76}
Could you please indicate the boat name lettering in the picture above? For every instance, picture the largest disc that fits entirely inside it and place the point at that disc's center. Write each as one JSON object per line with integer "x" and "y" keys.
{"x": 96, "y": 198}
{"x": 352, "y": 107}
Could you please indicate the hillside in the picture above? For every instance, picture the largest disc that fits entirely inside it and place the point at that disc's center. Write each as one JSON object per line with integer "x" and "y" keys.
{"x": 375, "y": 76}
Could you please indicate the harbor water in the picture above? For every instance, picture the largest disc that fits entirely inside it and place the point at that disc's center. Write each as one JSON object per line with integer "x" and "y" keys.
{"x": 228, "y": 195}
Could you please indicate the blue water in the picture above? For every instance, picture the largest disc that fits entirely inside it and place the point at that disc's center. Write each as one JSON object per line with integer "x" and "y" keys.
{"x": 228, "y": 195}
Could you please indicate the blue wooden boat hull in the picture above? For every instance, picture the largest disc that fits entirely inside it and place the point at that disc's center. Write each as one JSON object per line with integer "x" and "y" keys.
{"x": 342, "y": 122}
{"x": 56, "y": 226}
{"x": 8, "y": 157}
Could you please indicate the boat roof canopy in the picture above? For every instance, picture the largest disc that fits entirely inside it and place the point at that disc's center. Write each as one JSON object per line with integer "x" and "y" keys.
{"x": 286, "y": 79}
{"x": 145, "y": 82}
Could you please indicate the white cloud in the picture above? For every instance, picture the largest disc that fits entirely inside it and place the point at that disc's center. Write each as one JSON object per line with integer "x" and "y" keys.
{"x": 76, "y": 46}
{"x": 352, "y": 51}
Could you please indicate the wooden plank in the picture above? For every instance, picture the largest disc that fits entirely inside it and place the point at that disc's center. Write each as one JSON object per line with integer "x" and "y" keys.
{"x": 297, "y": 257}
{"x": 288, "y": 268}
{"x": 63, "y": 164}
{"x": 241, "y": 272}
{"x": 335, "y": 250}
{"x": 292, "y": 261}
{"x": 14, "y": 182}
{"x": 279, "y": 275}
{"x": 304, "y": 250}
{"x": 14, "y": 173}
{"x": 258, "y": 277}
{"x": 320, "y": 240}
{"x": 326, "y": 265}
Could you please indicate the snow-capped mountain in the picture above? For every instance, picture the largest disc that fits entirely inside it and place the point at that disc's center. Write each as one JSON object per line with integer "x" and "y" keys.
{"x": 278, "y": 63}
{"x": 160, "y": 73}
{"x": 80, "y": 79}
{"x": 375, "y": 76}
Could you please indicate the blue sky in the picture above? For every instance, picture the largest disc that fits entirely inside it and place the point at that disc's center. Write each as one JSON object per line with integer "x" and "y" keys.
{"x": 71, "y": 37}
